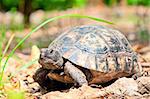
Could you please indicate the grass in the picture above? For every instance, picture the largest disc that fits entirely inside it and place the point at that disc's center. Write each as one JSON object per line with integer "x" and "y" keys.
{"x": 15, "y": 94}
{"x": 2, "y": 39}
{"x": 23, "y": 67}
{"x": 2, "y": 55}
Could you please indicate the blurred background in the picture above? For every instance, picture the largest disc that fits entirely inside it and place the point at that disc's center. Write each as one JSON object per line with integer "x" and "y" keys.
{"x": 132, "y": 17}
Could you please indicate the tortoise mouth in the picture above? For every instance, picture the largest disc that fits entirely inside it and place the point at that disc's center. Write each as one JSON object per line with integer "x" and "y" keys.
{"x": 48, "y": 65}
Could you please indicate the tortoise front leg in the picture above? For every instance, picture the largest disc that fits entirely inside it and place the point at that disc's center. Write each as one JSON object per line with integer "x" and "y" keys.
{"x": 62, "y": 78}
{"x": 53, "y": 83}
{"x": 75, "y": 73}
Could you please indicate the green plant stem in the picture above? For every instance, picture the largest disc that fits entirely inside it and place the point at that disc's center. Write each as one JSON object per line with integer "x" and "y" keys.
{"x": 8, "y": 44}
{"x": 42, "y": 24}
{"x": 23, "y": 67}
{"x": 6, "y": 48}
{"x": 2, "y": 39}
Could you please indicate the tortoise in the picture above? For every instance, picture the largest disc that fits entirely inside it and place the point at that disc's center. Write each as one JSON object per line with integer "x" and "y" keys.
{"x": 89, "y": 54}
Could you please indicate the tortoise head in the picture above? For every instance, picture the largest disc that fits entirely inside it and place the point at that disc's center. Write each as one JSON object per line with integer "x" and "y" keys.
{"x": 50, "y": 59}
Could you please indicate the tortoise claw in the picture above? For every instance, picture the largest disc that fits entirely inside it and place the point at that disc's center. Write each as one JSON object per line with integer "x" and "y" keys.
{"x": 96, "y": 86}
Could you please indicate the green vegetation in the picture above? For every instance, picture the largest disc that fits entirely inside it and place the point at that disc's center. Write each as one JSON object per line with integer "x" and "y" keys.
{"x": 144, "y": 35}
{"x": 45, "y": 5}
{"x": 111, "y": 2}
{"x": 2, "y": 39}
{"x": 61, "y": 4}
{"x": 9, "y": 4}
{"x": 15, "y": 94}
{"x": 129, "y": 2}
{"x": 139, "y": 2}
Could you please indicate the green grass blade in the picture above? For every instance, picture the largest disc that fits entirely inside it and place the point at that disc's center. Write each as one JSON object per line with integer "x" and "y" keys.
{"x": 28, "y": 64}
{"x": 6, "y": 48}
{"x": 8, "y": 44}
{"x": 24, "y": 67}
{"x": 2, "y": 40}
{"x": 44, "y": 23}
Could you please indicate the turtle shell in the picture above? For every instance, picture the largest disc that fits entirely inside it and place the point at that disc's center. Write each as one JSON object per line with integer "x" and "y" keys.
{"x": 95, "y": 47}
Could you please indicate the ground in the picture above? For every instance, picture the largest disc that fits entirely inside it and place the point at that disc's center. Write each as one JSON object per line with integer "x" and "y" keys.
{"x": 24, "y": 62}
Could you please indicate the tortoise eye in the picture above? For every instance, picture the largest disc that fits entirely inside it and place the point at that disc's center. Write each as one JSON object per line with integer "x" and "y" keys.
{"x": 129, "y": 60}
{"x": 51, "y": 51}
{"x": 41, "y": 57}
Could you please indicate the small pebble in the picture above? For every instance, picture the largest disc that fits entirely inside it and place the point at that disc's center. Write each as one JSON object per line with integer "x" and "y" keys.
{"x": 34, "y": 87}
{"x": 30, "y": 79}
